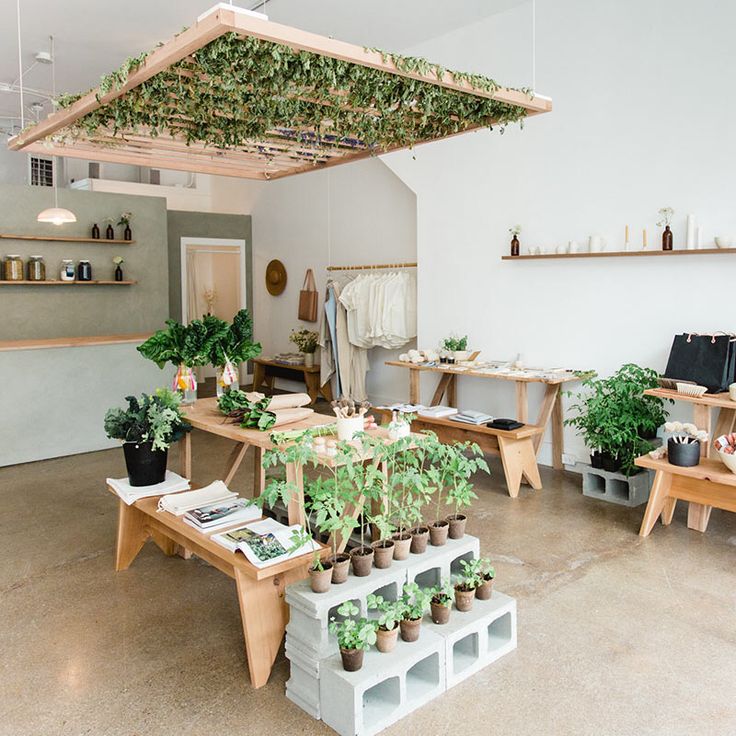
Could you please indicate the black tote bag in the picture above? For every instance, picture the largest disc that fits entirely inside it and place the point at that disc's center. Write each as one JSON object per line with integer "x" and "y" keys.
{"x": 708, "y": 360}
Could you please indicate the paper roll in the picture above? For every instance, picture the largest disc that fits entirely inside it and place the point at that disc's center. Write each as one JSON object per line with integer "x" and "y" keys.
{"x": 289, "y": 416}
{"x": 289, "y": 401}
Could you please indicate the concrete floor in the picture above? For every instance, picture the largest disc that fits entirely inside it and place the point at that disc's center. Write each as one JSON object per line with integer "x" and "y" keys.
{"x": 617, "y": 635}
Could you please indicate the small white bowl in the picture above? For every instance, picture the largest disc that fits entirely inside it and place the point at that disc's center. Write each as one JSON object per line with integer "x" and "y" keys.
{"x": 724, "y": 241}
{"x": 728, "y": 460}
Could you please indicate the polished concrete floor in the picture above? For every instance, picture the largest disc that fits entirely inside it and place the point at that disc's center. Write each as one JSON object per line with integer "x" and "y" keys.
{"x": 617, "y": 635}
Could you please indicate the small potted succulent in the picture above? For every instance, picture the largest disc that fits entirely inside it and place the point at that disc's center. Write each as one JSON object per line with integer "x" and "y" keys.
{"x": 515, "y": 231}
{"x": 465, "y": 586}
{"x": 683, "y": 447}
{"x": 306, "y": 342}
{"x": 147, "y": 428}
{"x": 665, "y": 220}
{"x": 441, "y": 602}
{"x": 354, "y": 636}
{"x": 415, "y": 602}
{"x": 387, "y": 623}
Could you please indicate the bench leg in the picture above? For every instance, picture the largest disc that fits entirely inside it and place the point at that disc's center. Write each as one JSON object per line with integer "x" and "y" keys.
{"x": 668, "y": 510}
{"x": 295, "y": 477}
{"x": 132, "y": 535}
{"x": 168, "y": 546}
{"x": 519, "y": 460}
{"x": 657, "y": 499}
{"x": 264, "y": 615}
{"x": 698, "y": 516}
{"x": 233, "y": 463}
{"x": 312, "y": 382}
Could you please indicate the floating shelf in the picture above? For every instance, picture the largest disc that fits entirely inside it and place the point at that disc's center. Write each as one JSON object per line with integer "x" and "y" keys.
{"x": 55, "y": 239}
{"x": 67, "y": 283}
{"x": 621, "y": 254}
{"x": 73, "y": 342}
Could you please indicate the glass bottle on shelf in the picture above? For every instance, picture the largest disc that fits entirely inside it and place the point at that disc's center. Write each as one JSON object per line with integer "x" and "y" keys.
{"x": 84, "y": 271}
{"x": 96, "y": 231}
{"x": 67, "y": 272}
{"x": 36, "y": 269}
{"x": 667, "y": 238}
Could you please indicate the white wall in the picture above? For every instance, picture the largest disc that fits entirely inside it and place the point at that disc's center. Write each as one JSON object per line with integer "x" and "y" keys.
{"x": 372, "y": 219}
{"x": 643, "y": 118}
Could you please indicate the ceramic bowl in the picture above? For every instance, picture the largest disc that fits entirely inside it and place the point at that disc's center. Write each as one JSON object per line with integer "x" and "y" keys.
{"x": 724, "y": 241}
{"x": 728, "y": 460}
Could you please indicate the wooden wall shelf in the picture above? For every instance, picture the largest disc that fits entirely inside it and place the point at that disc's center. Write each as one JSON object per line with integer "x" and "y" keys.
{"x": 56, "y": 239}
{"x": 73, "y": 342}
{"x": 621, "y": 254}
{"x": 67, "y": 283}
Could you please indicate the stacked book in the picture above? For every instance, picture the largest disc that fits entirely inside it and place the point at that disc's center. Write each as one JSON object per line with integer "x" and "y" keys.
{"x": 470, "y": 416}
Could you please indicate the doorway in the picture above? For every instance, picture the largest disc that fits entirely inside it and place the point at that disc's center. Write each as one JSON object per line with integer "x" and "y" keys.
{"x": 213, "y": 281}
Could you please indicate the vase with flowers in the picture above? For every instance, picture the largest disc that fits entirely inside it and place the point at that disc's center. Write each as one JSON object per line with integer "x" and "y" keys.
{"x": 118, "y": 261}
{"x": 306, "y": 341}
{"x": 124, "y": 220}
{"x": 665, "y": 220}
{"x": 515, "y": 231}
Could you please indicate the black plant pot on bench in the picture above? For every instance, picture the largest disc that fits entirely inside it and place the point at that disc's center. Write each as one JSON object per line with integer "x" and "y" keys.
{"x": 146, "y": 466}
{"x": 683, "y": 454}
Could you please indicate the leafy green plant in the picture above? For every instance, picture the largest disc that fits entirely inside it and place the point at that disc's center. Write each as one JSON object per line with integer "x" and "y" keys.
{"x": 465, "y": 459}
{"x": 235, "y": 342}
{"x": 475, "y": 572}
{"x": 612, "y": 414}
{"x": 442, "y": 594}
{"x": 390, "y": 612}
{"x": 455, "y": 343}
{"x": 353, "y": 632}
{"x": 306, "y": 341}
{"x": 237, "y": 407}
{"x": 188, "y": 345}
{"x": 153, "y": 418}
{"x": 415, "y": 602}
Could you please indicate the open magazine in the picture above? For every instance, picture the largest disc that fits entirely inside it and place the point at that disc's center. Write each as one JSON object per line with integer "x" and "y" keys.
{"x": 264, "y": 542}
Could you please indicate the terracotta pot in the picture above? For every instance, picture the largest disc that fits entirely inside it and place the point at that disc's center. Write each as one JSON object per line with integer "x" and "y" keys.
{"x": 419, "y": 539}
{"x": 438, "y": 532}
{"x": 320, "y": 580}
{"x": 485, "y": 590}
{"x": 440, "y": 613}
{"x": 457, "y": 525}
{"x": 464, "y": 599}
{"x": 410, "y": 629}
{"x": 340, "y": 568}
{"x": 386, "y": 640}
{"x": 402, "y": 542}
{"x": 362, "y": 559}
{"x": 352, "y": 659}
{"x": 383, "y": 553}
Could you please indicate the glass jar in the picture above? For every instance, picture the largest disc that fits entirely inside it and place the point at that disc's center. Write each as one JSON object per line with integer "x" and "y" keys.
{"x": 84, "y": 271}
{"x": 36, "y": 269}
{"x": 13, "y": 268}
{"x": 67, "y": 272}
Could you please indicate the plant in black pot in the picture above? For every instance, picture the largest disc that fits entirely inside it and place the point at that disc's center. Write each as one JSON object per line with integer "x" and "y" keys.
{"x": 683, "y": 447}
{"x": 147, "y": 428}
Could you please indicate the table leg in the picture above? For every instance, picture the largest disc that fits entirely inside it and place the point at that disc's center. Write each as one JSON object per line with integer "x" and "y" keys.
{"x": 233, "y": 463}
{"x": 312, "y": 382}
{"x": 414, "y": 388}
{"x": 259, "y": 472}
{"x": 295, "y": 478}
{"x": 185, "y": 457}
{"x": 557, "y": 433}
{"x": 326, "y": 390}
{"x": 522, "y": 402}
{"x": 551, "y": 396}
{"x": 264, "y": 615}
{"x": 259, "y": 373}
{"x": 442, "y": 385}
{"x": 452, "y": 392}
{"x": 657, "y": 499}
{"x": 698, "y": 516}
{"x": 702, "y": 420}
{"x": 132, "y": 535}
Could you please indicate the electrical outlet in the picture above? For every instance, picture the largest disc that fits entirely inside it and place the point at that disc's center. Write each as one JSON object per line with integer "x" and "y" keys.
{"x": 568, "y": 459}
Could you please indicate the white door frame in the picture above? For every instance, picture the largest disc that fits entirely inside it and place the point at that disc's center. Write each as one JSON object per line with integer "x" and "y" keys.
{"x": 215, "y": 242}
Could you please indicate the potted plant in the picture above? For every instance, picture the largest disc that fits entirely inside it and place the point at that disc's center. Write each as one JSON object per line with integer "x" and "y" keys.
{"x": 482, "y": 572}
{"x": 383, "y": 548}
{"x": 683, "y": 447}
{"x": 118, "y": 262}
{"x": 354, "y": 636}
{"x": 147, "y": 428}
{"x": 306, "y": 342}
{"x": 234, "y": 345}
{"x": 125, "y": 219}
{"x": 613, "y": 415}
{"x": 457, "y": 347}
{"x": 415, "y": 602}
{"x": 387, "y": 624}
{"x": 441, "y": 602}
{"x": 665, "y": 220}
{"x": 515, "y": 231}
{"x": 467, "y": 458}
{"x": 465, "y": 586}
{"x": 299, "y": 453}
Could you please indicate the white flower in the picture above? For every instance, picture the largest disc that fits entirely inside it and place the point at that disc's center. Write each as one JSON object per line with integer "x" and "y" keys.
{"x": 690, "y": 428}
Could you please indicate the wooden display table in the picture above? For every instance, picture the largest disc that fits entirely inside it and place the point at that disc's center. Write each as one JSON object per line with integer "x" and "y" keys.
{"x": 706, "y": 485}
{"x": 266, "y": 371}
{"x": 550, "y": 412}
{"x": 263, "y": 608}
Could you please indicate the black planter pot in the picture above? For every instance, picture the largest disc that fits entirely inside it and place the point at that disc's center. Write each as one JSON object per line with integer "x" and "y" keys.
{"x": 610, "y": 462}
{"x": 596, "y": 460}
{"x": 648, "y": 434}
{"x": 146, "y": 466}
{"x": 683, "y": 455}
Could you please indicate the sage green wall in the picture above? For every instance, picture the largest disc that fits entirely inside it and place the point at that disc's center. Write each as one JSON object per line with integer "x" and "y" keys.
{"x": 205, "y": 225}
{"x": 62, "y": 311}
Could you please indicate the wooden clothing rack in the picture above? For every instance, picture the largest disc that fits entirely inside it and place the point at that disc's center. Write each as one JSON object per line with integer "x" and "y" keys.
{"x": 372, "y": 267}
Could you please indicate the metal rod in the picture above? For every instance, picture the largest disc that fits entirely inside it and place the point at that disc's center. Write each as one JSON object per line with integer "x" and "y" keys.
{"x": 20, "y": 71}
{"x": 372, "y": 267}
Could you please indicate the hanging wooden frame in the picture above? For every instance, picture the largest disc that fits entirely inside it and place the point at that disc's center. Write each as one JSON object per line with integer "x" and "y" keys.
{"x": 282, "y": 150}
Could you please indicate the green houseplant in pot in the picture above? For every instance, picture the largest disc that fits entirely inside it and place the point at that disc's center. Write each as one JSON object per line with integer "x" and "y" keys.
{"x": 456, "y": 348}
{"x": 147, "y": 428}
{"x": 354, "y": 636}
{"x": 465, "y": 585}
{"x": 383, "y": 548}
{"x": 481, "y": 573}
{"x": 441, "y": 602}
{"x": 415, "y": 602}
{"x": 387, "y": 624}
{"x": 464, "y": 459}
{"x": 306, "y": 342}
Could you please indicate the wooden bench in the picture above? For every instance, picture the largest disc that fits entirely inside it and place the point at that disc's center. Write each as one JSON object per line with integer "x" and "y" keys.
{"x": 515, "y": 447}
{"x": 706, "y": 485}
{"x": 266, "y": 371}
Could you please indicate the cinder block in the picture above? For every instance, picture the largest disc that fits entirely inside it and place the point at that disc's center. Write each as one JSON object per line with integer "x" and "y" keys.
{"x": 617, "y": 488}
{"x": 476, "y": 638}
{"x": 388, "y": 687}
{"x": 440, "y": 562}
{"x": 296, "y": 652}
{"x": 304, "y": 684}
{"x": 304, "y": 705}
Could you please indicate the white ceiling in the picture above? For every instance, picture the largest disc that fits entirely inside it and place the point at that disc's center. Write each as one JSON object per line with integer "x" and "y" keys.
{"x": 94, "y": 37}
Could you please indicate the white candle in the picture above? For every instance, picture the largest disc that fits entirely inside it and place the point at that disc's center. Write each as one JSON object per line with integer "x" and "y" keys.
{"x": 690, "y": 243}
{"x": 698, "y": 238}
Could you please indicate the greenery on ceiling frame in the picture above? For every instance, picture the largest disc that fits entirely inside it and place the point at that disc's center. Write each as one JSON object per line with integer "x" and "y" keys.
{"x": 242, "y": 92}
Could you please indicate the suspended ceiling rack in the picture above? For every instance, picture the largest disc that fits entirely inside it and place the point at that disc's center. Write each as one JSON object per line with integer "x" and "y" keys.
{"x": 284, "y": 148}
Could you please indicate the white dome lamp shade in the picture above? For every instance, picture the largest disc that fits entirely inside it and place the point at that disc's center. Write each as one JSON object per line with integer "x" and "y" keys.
{"x": 56, "y": 216}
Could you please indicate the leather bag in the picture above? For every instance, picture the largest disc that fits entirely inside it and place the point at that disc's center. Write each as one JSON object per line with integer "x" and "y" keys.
{"x": 308, "y": 298}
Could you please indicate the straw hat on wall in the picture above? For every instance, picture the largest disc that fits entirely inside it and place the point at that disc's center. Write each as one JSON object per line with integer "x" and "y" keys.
{"x": 275, "y": 278}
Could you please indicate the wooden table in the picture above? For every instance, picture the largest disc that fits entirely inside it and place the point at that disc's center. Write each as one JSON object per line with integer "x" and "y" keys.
{"x": 263, "y": 608}
{"x": 706, "y": 485}
{"x": 266, "y": 370}
{"x": 550, "y": 412}
{"x": 703, "y": 418}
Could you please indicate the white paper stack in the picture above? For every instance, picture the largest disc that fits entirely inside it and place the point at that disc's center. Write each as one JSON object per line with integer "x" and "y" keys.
{"x": 437, "y": 412}
{"x": 130, "y": 494}
{"x": 217, "y": 516}
{"x": 180, "y": 503}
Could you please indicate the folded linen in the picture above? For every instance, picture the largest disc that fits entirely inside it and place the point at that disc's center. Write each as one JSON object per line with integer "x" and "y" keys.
{"x": 130, "y": 494}
{"x": 180, "y": 503}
